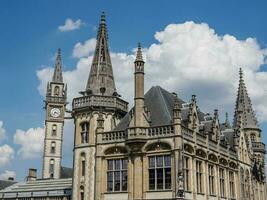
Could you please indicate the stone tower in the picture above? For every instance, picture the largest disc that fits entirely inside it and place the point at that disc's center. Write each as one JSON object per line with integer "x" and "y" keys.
{"x": 245, "y": 121}
{"x": 98, "y": 103}
{"x": 55, "y": 104}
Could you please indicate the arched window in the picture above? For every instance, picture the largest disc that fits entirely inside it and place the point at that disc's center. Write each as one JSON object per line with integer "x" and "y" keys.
{"x": 54, "y": 130}
{"x": 53, "y": 147}
{"x": 51, "y": 168}
{"x": 84, "y": 132}
{"x": 56, "y": 90}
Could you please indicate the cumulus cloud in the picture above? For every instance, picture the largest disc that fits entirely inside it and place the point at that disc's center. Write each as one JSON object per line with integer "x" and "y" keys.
{"x": 2, "y": 132}
{"x": 70, "y": 25}
{"x": 7, "y": 154}
{"x": 188, "y": 58}
{"x": 30, "y": 141}
{"x": 82, "y": 50}
{"x": 7, "y": 174}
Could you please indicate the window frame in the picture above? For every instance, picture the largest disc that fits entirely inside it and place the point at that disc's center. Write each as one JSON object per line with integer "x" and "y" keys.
{"x": 111, "y": 173}
{"x": 166, "y": 169}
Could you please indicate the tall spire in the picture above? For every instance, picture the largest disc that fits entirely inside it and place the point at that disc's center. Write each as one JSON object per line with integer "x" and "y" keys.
{"x": 57, "y": 77}
{"x": 243, "y": 107}
{"x": 101, "y": 80}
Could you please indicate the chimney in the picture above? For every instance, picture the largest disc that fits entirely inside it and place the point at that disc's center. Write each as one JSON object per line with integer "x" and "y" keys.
{"x": 32, "y": 176}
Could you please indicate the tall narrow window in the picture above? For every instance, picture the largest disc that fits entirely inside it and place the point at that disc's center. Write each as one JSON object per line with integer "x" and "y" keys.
{"x": 117, "y": 175}
{"x": 187, "y": 174}
{"x": 199, "y": 176}
{"x": 247, "y": 185}
{"x": 84, "y": 133}
{"x": 232, "y": 184}
{"x": 222, "y": 182}
{"x": 211, "y": 180}
{"x": 82, "y": 164}
{"x": 53, "y": 147}
{"x": 54, "y": 130}
{"x": 51, "y": 168}
{"x": 160, "y": 172}
{"x": 242, "y": 177}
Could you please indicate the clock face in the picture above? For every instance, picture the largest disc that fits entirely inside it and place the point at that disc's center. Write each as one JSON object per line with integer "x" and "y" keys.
{"x": 55, "y": 112}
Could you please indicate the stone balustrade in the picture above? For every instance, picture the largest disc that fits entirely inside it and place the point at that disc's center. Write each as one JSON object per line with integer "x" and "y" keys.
{"x": 258, "y": 147}
{"x": 100, "y": 101}
{"x": 55, "y": 99}
{"x": 137, "y": 132}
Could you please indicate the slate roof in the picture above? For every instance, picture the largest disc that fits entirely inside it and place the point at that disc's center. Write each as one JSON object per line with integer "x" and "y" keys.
{"x": 66, "y": 172}
{"x": 39, "y": 188}
{"x": 160, "y": 103}
{"x": 5, "y": 183}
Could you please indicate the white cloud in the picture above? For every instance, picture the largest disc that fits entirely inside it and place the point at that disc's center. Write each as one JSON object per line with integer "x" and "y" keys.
{"x": 7, "y": 154}
{"x": 7, "y": 174}
{"x": 188, "y": 58}
{"x": 31, "y": 142}
{"x": 70, "y": 25}
{"x": 2, "y": 132}
{"x": 82, "y": 50}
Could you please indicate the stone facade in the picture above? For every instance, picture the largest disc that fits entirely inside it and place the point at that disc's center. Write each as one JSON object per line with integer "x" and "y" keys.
{"x": 163, "y": 148}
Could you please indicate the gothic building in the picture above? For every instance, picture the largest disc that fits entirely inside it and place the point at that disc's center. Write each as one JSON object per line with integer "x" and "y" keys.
{"x": 162, "y": 148}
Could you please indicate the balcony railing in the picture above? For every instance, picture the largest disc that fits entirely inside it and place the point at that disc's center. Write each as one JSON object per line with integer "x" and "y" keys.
{"x": 100, "y": 101}
{"x": 137, "y": 132}
{"x": 258, "y": 147}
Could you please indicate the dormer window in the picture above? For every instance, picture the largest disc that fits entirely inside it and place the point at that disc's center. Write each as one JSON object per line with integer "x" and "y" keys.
{"x": 84, "y": 132}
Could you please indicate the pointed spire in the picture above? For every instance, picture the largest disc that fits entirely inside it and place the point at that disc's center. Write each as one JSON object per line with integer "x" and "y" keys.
{"x": 101, "y": 80}
{"x": 57, "y": 77}
{"x": 139, "y": 56}
{"x": 243, "y": 107}
{"x": 226, "y": 122}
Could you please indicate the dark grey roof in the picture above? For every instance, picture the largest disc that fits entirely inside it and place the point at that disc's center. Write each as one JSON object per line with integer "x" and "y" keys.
{"x": 5, "y": 183}
{"x": 159, "y": 103}
{"x": 66, "y": 172}
{"x": 38, "y": 188}
{"x": 229, "y": 135}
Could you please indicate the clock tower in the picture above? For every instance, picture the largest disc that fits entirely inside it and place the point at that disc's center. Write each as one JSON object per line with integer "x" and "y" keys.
{"x": 55, "y": 104}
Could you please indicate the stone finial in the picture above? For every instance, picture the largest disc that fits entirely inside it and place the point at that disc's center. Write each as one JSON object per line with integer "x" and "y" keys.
{"x": 139, "y": 56}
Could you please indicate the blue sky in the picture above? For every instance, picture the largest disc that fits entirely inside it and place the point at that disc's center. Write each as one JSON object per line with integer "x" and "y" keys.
{"x": 30, "y": 37}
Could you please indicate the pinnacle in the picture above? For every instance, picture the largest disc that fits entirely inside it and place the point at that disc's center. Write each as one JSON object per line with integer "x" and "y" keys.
{"x": 57, "y": 77}
{"x": 101, "y": 80}
{"x": 243, "y": 107}
{"x": 139, "y": 56}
